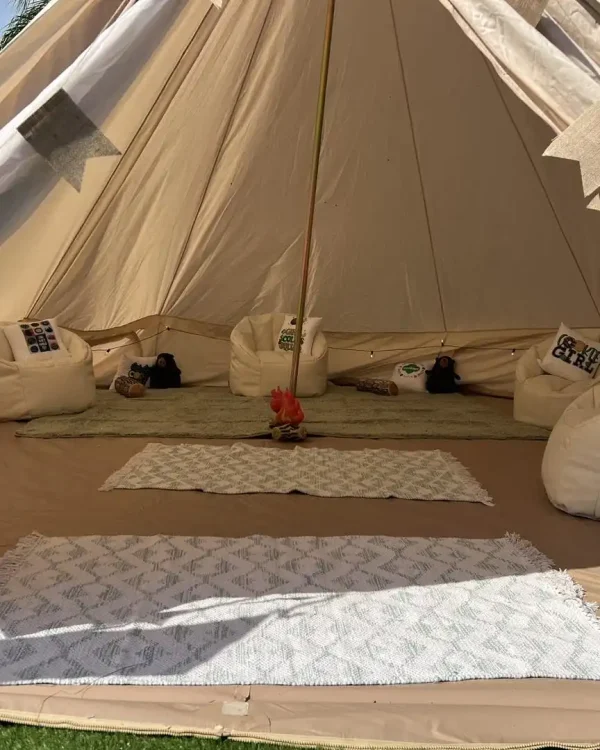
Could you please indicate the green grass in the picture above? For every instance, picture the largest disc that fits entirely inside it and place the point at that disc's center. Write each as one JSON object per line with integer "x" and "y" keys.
{"x": 14, "y": 737}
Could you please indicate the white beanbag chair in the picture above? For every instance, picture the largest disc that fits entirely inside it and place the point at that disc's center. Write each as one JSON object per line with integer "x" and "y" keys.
{"x": 540, "y": 398}
{"x": 257, "y": 365}
{"x": 571, "y": 465}
{"x": 45, "y": 383}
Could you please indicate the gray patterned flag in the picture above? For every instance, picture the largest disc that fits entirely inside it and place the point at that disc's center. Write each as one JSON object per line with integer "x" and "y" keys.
{"x": 65, "y": 137}
{"x": 581, "y": 142}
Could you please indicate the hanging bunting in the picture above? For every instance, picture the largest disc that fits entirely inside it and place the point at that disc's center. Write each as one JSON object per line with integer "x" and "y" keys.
{"x": 581, "y": 142}
{"x": 66, "y": 138}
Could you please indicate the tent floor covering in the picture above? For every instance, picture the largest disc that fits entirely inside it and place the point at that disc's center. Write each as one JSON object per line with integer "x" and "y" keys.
{"x": 51, "y": 486}
{"x": 214, "y": 413}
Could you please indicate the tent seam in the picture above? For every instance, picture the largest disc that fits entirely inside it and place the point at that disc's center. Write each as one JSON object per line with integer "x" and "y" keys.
{"x": 421, "y": 181}
{"x": 39, "y": 300}
{"x": 226, "y": 133}
{"x": 544, "y": 189}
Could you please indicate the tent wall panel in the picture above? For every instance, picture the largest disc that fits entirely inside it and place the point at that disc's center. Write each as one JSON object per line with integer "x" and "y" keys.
{"x": 485, "y": 359}
{"x": 435, "y": 211}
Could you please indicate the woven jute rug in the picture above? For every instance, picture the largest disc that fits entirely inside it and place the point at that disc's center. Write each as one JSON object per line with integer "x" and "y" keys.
{"x": 241, "y": 469}
{"x": 341, "y": 412}
{"x": 352, "y": 610}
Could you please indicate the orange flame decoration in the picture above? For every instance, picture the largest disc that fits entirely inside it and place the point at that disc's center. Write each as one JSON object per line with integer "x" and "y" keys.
{"x": 286, "y": 407}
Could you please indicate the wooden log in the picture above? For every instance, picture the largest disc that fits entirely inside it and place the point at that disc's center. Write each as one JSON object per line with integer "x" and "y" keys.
{"x": 381, "y": 387}
{"x": 287, "y": 433}
{"x": 129, "y": 387}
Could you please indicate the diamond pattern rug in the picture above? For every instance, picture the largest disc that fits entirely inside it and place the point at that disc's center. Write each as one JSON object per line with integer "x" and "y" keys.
{"x": 352, "y": 610}
{"x": 323, "y": 472}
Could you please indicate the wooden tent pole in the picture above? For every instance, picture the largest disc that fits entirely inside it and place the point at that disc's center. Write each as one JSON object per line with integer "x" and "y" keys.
{"x": 318, "y": 137}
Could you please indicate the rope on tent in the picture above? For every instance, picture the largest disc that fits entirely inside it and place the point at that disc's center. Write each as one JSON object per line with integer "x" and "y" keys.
{"x": 371, "y": 352}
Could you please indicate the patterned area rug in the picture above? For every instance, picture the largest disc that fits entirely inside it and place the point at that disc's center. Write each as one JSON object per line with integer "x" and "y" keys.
{"x": 342, "y": 412}
{"x": 241, "y": 469}
{"x": 293, "y": 611}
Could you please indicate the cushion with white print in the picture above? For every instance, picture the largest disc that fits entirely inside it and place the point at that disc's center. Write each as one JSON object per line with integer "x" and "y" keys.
{"x": 36, "y": 340}
{"x": 572, "y": 356}
{"x": 138, "y": 368}
{"x": 410, "y": 376}
{"x": 287, "y": 334}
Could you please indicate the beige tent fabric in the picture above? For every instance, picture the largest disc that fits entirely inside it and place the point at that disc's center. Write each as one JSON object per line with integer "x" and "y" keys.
{"x": 581, "y": 21}
{"x": 48, "y": 46}
{"x": 216, "y": 233}
{"x": 531, "y": 10}
{"x": 60, "y": 212}
{"x": 485, "y": 360}
{"x": 536, "y": 71}
{"x": 435, "y": 211}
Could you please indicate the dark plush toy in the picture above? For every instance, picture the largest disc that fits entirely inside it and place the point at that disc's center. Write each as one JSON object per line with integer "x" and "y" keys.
{"x": 442, "y": 376}
{"x": 165, "y": 373}
{"x": 141, "y": 373}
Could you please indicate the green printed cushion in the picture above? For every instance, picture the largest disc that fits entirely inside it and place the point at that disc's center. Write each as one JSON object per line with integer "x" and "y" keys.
{"x": 287, "y": 334}
{"x": 410, "y": 376}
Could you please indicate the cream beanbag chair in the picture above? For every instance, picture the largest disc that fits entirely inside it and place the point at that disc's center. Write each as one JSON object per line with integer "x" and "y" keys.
{"x": 540, "y": 399}
{"x": 571, "y": 465}
{"x": 257, "y": 367}
{"x": 38, "y": 387}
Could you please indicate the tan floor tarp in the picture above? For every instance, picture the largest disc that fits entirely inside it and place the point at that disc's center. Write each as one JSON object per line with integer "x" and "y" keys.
{"x": 51, "y": 486}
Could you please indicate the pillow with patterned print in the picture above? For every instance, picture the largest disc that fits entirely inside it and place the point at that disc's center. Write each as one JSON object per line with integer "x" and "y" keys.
{"x": 287, "y": 334}
{"x": 138, "y": 368}
{"x": 572, "y": 356}
{"x": 36, "y": 341}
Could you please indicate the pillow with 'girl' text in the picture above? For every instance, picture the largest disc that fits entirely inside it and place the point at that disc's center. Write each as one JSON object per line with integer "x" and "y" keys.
{"x": 572, "y": 356}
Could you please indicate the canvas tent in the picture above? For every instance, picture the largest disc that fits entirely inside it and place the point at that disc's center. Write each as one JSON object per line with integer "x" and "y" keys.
{"x": 437, "y": 216}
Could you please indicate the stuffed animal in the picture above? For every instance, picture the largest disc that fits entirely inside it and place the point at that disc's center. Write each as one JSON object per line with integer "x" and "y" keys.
{"x": 165, "y": 373}
{"x": 442, "y": 376}
{"x": 139, "y": 372}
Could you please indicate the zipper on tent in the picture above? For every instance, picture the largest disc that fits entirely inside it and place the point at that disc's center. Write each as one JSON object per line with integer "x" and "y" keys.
{"x": 57, "y": 722}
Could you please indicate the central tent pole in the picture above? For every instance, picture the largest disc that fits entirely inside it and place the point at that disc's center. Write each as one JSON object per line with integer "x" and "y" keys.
{"x": 318, "y": 137}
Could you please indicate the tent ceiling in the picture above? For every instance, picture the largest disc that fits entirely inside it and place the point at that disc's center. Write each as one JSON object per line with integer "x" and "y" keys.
{"x": 435, "y": 210}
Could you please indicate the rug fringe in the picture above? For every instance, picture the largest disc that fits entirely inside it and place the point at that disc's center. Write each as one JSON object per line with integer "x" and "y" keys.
{"x": 563, "y": 582}
{"x": 12, "y": 560}
{"x": 530, "y": 552}
{"x": 483, "y": 495}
